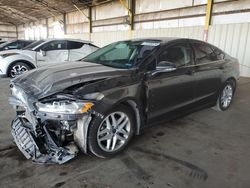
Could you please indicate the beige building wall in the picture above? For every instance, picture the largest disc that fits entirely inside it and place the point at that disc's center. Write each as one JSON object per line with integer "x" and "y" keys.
{"x": 229, "y": 28}
{"x": 7, "y": 31}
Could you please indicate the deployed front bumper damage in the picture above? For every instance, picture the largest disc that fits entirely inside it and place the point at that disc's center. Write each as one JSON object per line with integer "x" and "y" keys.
{"x": 27, "y": 143}
{"x": 46, "y": 138}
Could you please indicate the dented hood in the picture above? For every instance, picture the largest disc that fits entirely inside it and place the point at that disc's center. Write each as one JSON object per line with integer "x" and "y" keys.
{"x": 48, "y": 80}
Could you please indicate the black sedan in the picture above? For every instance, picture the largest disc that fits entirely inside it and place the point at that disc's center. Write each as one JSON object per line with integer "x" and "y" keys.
{"x": 99, "y": 103}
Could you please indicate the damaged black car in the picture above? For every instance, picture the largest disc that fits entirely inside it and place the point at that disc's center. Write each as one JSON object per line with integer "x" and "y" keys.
{"x": 99, "y": 103}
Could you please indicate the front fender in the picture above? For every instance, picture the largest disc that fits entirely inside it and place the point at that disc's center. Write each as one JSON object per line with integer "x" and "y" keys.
{"x": 116, "y": 96}
{"x": 17, "y": 58}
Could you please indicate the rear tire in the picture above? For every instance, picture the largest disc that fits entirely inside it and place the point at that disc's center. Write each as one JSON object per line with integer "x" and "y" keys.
{"x": 17, "y": 69}
{"x": 110, "y": 135}
{"x": 226, "y": 96}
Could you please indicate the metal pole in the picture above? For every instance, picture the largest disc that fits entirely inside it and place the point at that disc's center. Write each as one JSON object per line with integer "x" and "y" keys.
{"x": 208, "y": 19}
{"x": 47, "y": 27}
{"x": 64, "y": 24}
{"x": 90, "y": 23}
{"x": 89, "y": 17}
{"x": 130, "y": 9}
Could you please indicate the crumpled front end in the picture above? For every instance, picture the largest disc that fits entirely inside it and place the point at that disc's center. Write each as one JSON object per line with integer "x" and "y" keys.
{"x": 46, "y": 137}
{"x": 34, "y": 148}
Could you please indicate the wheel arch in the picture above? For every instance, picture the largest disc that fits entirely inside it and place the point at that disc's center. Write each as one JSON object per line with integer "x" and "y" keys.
{"x": 233, "y": 79}
{"x": 23, "y": 61}
{"x": 218, "y": 105}
{"x": 130, "y": 103}
{"x": 226, "y": 80}
{"x": 133, "y": 106}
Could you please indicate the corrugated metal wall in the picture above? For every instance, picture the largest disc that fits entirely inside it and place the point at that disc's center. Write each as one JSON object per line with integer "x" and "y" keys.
{"x": 235, "y": 40}
{"x": 232, "y": 38}
{"x": 187, "y": 32}
{"x": 229, "y": 29}
{"x": 7, "y": 31}
{"x": 104, "y": 38}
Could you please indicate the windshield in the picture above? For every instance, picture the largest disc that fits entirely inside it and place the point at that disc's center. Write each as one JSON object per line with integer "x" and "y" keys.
{"x": 33, "y": 45}
{"x": 6, "y": 43}
{"x": 125, "y": 54}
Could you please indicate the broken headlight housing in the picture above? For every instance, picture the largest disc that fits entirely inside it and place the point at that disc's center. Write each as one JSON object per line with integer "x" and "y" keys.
{"x": 64, "y": 107}
{"x": 94, "y": 96}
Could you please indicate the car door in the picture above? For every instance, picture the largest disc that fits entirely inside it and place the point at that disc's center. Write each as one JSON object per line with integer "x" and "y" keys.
{"x": 75, "y": 51}
{"x": 52, "y": 52}
{"x": 168, "y": 91}
{"x": 208, "y": 71}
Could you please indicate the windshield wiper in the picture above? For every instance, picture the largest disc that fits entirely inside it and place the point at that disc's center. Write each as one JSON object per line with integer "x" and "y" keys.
{"x": 108, "y": 65}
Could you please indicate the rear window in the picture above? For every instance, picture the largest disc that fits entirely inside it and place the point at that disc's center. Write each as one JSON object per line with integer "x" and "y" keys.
{"x": 204, "y": 53}
{"x": 74, "y": 45}
{"x": 219, "y": 53}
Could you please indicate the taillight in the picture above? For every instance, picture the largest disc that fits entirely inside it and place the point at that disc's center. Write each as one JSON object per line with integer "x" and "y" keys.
{"x": 237, "y": 65}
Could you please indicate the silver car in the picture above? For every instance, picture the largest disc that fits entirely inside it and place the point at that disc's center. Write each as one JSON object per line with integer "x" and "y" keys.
{"x": 42, "y": 53}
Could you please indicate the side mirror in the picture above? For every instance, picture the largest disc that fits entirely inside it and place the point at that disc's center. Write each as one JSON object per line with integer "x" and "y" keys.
{"x": 42, "y": 52}
{"x": 164, "y": 66}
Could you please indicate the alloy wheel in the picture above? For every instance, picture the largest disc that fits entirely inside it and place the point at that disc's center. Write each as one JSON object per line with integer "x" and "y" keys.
{"x": 114, "y": 131}
{"x": 226, "y": 96}
{"x": 17, "y": 70}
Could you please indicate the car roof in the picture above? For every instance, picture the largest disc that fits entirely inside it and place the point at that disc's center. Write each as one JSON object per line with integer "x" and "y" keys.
{"x": 160, "y": 39}
{"x": 156, "y": 38}
{"x": 14, "y": 40}
{"x": 68, "y": 39}
{"x": 25, "y": 40}
{"x": 163, "y": 40}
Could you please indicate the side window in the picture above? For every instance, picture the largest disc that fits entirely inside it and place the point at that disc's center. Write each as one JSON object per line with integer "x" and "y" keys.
{"x": 26, "y": 43}
{"x": 203, "y": 53}
{"x": 55, "y": 45}
{"x": 20, "y": 44}
{"x": 144, "y": 52}
{"x": 179, "y": 54}
{"x": 74, "y": 45}
{"x": 219, "y": 54}
{"x": 152, "y": 65}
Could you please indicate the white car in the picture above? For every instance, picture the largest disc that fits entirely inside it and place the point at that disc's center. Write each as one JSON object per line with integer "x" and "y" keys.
{"x": 14, "y": 44}
{"x": 42, "y": 53}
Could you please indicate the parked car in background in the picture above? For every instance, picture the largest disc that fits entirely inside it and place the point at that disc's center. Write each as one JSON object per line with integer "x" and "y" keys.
{"x": 42, "y": 53}
{"x": 98, "y": 104}
{"x": 1, "y": 42}
{"x": 15, "y": 44}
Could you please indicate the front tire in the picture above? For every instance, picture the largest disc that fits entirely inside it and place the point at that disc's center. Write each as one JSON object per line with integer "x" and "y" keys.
{"x": 109, "y": 136}
{"x": 18, "y": 68}
{"x": 226, "y": 96}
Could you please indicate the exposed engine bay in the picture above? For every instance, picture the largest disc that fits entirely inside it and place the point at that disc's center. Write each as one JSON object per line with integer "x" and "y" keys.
{"x": 49, "y": 137}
